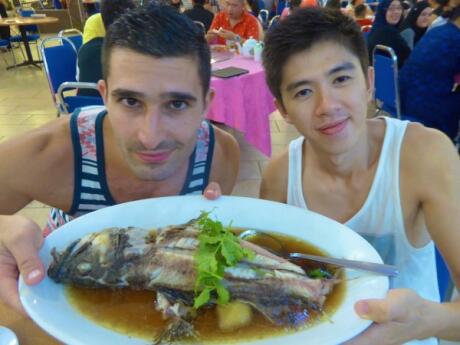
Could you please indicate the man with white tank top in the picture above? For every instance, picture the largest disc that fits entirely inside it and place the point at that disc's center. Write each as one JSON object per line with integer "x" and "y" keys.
{"x": 395, "y": 183}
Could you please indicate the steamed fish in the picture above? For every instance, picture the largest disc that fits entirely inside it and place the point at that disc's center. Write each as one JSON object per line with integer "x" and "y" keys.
{"x": 165, "y": 261}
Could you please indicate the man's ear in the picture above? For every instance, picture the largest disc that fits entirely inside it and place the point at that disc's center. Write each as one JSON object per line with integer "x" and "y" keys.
{"x": 207, "y": 101}
{"x": 279, "y": 105}
{"x": 370, "y": 83}
{"x": 102, "y": 87}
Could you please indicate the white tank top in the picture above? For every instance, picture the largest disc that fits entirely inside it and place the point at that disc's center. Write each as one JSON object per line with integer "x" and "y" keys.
{"x": 380, "y": 219}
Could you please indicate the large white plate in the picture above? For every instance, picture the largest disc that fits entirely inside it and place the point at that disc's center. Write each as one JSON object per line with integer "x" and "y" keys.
{"x": 47, "y": 305}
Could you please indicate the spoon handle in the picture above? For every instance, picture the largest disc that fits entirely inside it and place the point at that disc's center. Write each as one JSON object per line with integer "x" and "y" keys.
{"x": 387, "y": 270}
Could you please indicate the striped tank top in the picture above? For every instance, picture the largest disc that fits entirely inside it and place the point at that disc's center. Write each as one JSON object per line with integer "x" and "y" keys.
{"x": 91, "y": 191}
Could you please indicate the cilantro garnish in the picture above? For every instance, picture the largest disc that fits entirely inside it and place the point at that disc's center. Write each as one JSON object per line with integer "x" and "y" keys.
{"x": 219, "y": 248}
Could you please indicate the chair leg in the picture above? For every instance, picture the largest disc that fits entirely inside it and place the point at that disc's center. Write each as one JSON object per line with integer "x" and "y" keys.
{"x": 3, "y": 57}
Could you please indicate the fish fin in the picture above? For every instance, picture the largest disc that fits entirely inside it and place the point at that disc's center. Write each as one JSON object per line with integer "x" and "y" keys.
{"x": 177, "y": 329}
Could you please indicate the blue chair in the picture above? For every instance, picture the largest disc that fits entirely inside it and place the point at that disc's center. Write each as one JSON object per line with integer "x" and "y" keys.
{"x": 281, "y": 5}
{"x": 385, "y": 64}
{"x": 445, "y": 283}
{"x": 74, "y": 35}
{"x": 60, "y": 62}
{"x": 263, "y": 18}
{"x": 4, "y": 47}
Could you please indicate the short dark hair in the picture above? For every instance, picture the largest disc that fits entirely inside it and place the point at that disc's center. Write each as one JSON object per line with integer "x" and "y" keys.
{"x": 161, "y": 32}
{"x": 300, "y": 31}
{"x": 111, "y": 10}
{"x": 360, "y": 10}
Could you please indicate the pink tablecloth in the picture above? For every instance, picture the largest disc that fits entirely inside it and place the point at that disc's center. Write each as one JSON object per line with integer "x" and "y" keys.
{"x": 244, "y": 102}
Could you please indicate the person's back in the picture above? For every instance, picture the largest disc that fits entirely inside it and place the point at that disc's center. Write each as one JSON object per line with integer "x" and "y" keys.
{"x": 94, "y": 27}
{"x": 199, "y": 13}
{"x": 89, "y": 65}
{"x": 427, "y": 78}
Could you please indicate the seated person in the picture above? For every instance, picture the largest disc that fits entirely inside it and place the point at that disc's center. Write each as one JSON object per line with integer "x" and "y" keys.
{"x": 94, "y": 27}
{"x": 199, "y": 13}
{"x": 426, "y": 82}
{"x": 233, "y": 24}
{"x": 355, "y": 3}
{"x": 416, "y": 23}
{"x": 361, "y": 18}
{"x": 89, "y": 55}
{"x": 5, "y": 32}
{"x": 385, "y": 30}
{"x": 394, "y": 182}
{"x": 150, "y": 140}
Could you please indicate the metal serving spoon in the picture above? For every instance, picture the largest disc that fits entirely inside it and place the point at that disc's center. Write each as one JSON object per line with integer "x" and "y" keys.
{"x": 278, "y": 249}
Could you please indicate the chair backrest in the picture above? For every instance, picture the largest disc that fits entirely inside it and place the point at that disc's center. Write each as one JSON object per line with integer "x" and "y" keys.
{"x": 445, "y": 283}
{"x": 274, "y": 21}
{"x": 60, "y": 62}
{"x": 263, "y": 17}
{"x": 385, "y": 64}
{"x": 74, "y": 35}
{"x": 201, "y": 26}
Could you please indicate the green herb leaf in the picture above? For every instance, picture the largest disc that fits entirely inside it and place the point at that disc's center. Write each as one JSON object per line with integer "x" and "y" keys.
{"x": 219, "y": 248}
{"x": 319, "y": 273}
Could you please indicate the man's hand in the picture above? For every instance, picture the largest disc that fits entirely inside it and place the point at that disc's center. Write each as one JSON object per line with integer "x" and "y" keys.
{"x": 20, "y": 240}
{"x": 212, "y": 191}
{"x": 227, "y": 34}
{"x": 398, "y": 319}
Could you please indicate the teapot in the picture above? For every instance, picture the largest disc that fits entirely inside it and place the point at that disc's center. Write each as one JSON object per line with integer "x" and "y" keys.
{"x": 248, "y": 47}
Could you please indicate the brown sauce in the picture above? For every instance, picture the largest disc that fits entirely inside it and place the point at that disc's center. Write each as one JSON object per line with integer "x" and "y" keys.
{"x": 133, "y": 312}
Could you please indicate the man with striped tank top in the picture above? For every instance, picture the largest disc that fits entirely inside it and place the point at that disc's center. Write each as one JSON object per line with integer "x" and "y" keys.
{"x": 395, "y": 183}
{"x": 150, "y": 140}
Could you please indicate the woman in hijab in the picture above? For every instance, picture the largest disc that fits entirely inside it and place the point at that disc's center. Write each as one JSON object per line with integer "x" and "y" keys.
{"x": 416, "y": 23}
{"x": 385, "y": 30}
{"x": 427, "y": 81}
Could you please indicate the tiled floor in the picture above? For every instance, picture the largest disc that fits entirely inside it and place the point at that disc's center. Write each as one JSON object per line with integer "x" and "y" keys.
{"x": 25, "y": 103}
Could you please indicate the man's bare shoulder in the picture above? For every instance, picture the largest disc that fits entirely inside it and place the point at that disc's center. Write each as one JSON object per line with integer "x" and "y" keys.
{"x": 53, "y": 137}
{"x": 426, "y": 155}
{"x": 36, "y": 163}
{"x": 275, "y": 178}
{"x": 226, "y": 160}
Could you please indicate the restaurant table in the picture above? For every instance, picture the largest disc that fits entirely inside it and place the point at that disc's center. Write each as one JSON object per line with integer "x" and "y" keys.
{"x": 26, "y": 330}
{"x": 22, "y": 22}
{"x": 244, "y": 102}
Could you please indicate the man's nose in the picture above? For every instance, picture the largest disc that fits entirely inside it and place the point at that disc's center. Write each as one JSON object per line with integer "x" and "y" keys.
{"x": 151, "y": 129}
{"x": 326, "y": 101}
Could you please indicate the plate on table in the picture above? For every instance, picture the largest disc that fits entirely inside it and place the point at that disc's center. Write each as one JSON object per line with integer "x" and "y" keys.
{"x": 47, "y": 302}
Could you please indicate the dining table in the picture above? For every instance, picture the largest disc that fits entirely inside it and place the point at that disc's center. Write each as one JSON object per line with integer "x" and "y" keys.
{"x": 22, "y": 23}
{"x": 243, "y": 102}
{"x": 26, "y": 330}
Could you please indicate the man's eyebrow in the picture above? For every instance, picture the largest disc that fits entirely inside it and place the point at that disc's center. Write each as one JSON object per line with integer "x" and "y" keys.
{"x": 297, "y": 83}
{"x": 182, "y": 96}
{"x": 346, "y": 66}
{"x": 124, "y": 93}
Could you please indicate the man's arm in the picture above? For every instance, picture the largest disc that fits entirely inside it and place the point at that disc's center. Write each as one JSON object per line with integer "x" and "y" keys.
{"x": 438, "y": 181}
{"x": 225, "y": 161}
{"x": 35, "y": 166}
{"x": 275, "y": 179}
{"x": 430, "y": 175}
